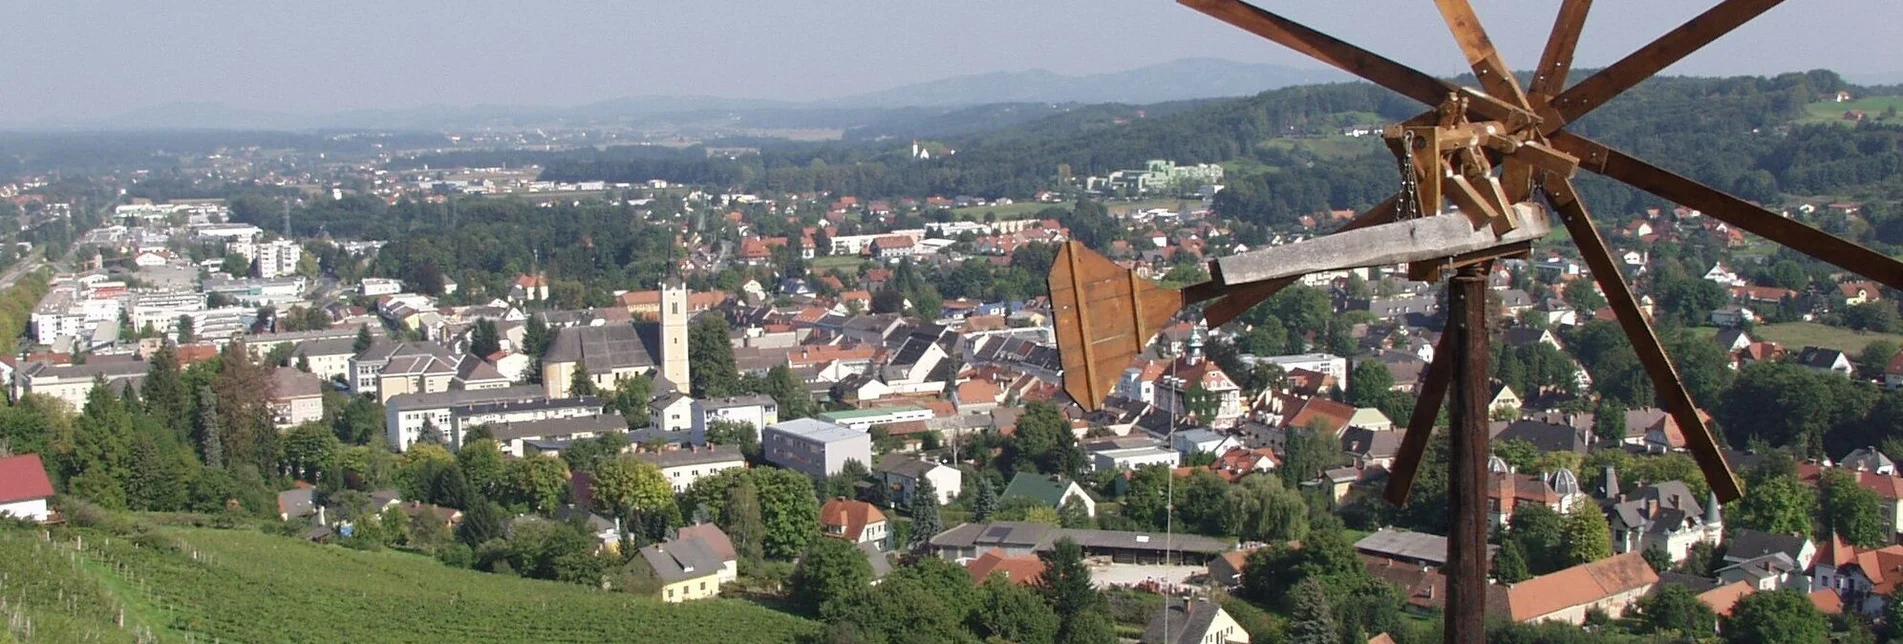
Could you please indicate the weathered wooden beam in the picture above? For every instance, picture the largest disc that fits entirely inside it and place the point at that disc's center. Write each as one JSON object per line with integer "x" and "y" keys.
{"x": 1665, "y": 379}
{"x": 1467, "y": 458}
{"x": 1557, "y": 60}
{"x": 1393, "y": 243}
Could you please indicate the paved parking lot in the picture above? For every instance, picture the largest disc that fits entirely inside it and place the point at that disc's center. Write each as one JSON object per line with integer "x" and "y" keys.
{"x": 1133, "y": 574}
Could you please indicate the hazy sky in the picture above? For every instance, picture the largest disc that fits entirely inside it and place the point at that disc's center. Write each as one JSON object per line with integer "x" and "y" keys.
{"x": 90, "y": 58}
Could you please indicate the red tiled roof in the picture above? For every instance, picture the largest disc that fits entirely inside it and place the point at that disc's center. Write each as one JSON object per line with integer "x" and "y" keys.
{"x": 1023, "y": 570}
{"x": 1722, "y": 598}
{"x": 852, "y": 515}
{"x": 1827, "y": 601}
{"x": 23, "y": 478}
{"x": 1579, "y": 585}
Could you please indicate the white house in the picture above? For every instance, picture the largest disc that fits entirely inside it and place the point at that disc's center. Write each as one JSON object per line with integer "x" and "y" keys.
{"x": 673, "y": 413}
{"x": 758, "y": 410}
{"x": 375, "y": 286}
{"x": 682, "y": 467}
{"x": 901, "y": 475}
{"x": 24, "y": 488}
{"x": 1188, "y": 442}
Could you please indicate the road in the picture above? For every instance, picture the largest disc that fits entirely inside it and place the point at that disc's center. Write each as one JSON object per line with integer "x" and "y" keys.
{"x": 27, "y": 264}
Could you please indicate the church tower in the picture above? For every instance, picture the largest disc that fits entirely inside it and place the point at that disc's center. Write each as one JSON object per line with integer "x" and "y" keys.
{"x": 674, "y": 314}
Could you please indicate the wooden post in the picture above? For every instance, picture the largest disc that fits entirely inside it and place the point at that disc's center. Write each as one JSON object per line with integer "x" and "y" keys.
{"x": 1467, "y": 458}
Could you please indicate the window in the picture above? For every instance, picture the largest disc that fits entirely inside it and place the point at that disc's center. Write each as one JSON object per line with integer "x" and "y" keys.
{"x": 703, "y": 585}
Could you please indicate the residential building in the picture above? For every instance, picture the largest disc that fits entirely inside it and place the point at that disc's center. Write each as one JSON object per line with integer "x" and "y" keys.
{"x": 689, "y": 569}
{"x": 376, "y": 286}
{"x": 1322, "y": 363}
{"x": 865, "y": 419}
{"x": 854, "y": 521}
{"x": 674, "y": 412}
{"x": 73, "y": 383}
{"x": 757, "y": 410}
{"x": 1664, "y": 516}
{"x": 296, "y": 398}
{"x": 1193, "y": 621}
{"x": 327, "y": 359}
{"x": 1188, "y": 442}
{"x": 1129, "y": 452}
{"x": 1509, "y": 490}
{"x": 518, "y": 437}
{"x": 1862, "y": 578}
{"x": 685, "y": 465}
{"x": 1610, "y": 585}
{"x": 25, "y": 489}
{"x": 901, "y": 475}
{"x": 272, "y": 259}
{"x": 1825, "y": 360}
{"x": 814, "y": 447}
{"x": 453, "y": 413}
{"x": 1868, "y": 459}
{"x": 1048, "y": 490}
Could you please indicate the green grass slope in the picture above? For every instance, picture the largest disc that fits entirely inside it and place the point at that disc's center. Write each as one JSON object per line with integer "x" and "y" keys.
{"x": 243, "y": 586}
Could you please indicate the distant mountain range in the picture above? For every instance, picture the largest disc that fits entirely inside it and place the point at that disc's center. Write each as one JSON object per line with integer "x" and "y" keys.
{"x": 1176, "y": 80}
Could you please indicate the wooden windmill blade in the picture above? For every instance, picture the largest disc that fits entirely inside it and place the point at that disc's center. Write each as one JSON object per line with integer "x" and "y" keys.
{"x": 1481, "y": 54}
{"x": 1724, "y": 207}
{"x": 1365, "y": 64}
{"x": 1665, "y": 379}
{"x": 1556, "y": 61}
{"x": 1420, "y": 425}
{"x": 1676, "y": 44}
{"x": 1104, "y": 315}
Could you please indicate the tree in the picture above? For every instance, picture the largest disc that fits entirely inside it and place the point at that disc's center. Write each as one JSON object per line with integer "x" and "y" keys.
{"x": 309, "y": 449}
{"x": 1781, "y": 616}
{"x": 1311, "y": 622}
{"x": 626, "y": 485}
{"x": 481, "y": 463}
{"x": 1778, "y": 504}
{"x": 1540, "y": 534}
{"x": 830, "y": 569}
{"x": 924, "y": 511}
{"x": 450, "y": 489}
{"x": 1608, "y": 421}
{"x": 166, "y": 397}
{"x": 1849, "y": 510}
{"x": 186, "y": 334}
{"x": 1874, "y": 357}
{"x": 1044, "y": 442}
{"x": 794, "y": 400}
{"x": 205, "y": 424}
{"x": 740, "y": 434}
{"x": 363, "y": 339}
{"x": 580, "y": 383}
{"x": 481, "y": 524}
{"x": 1509, "y": 567}
{"x": 535, "y": 482}
{"x": 1657, "y": 558}
{"x": 631, "y": 397}
{"x": 1675, "y": 609}
{"x": 1309, "y": 452}
{"x": 788, "y": 508}
{"x": 1588, "y": 538}
{"x": 1013, "y": 613}
{"x": 484, "y": 340}
{"x": 710, "y": 359}
{"x": 984, "y": 501}
{"x": 740, "y": 519}
{"x": 1066, "y": 585}
{"x": 1072, "y": 514}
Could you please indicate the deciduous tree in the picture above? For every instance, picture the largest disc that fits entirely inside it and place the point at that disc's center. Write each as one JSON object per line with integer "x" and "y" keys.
{"x": 830, "y": 569}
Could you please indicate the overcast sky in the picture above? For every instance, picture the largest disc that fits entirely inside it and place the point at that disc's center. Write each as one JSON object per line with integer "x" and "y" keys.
{"x": 93, "y": 58}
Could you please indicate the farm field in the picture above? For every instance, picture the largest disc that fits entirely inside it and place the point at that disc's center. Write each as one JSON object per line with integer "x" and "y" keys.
{"x": 1797, "y": 335}
{"x": 1832, "y": 112}
{"x": 196, "y": 584}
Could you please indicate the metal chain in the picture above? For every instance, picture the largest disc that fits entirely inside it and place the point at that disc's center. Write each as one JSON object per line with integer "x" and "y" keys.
{"x": 1410, "y": 205}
